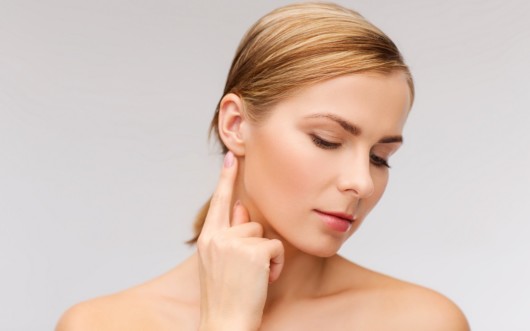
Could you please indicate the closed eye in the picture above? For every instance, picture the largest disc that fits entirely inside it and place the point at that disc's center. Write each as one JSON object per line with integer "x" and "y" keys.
{"x": 324, "y": 144}
{"x": 379, "y": 161}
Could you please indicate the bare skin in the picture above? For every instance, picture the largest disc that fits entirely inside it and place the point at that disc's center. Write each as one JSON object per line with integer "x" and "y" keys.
{"x": 253, "y": 270}
{"x": 360, "y": 299}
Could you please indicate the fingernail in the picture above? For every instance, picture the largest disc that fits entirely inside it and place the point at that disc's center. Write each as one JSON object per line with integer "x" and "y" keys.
{"x": 229, "y": 159}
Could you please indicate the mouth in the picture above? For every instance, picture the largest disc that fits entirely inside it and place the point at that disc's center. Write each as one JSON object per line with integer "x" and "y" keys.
{"x": 336, "y": 221}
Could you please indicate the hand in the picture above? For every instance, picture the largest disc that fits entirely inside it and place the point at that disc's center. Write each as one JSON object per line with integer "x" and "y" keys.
{"x": 236, "y": 263}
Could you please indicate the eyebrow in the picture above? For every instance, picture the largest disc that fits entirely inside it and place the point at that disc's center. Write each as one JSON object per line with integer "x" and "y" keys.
{"x": 354, "y": 129}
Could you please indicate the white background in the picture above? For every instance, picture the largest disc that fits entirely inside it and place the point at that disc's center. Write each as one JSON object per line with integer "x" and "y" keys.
{"x": 104, "y": 110}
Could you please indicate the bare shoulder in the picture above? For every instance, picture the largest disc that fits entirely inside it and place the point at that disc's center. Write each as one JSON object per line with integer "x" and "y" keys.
{"x": 420, "y": 308}
{"x": 164, "y": 303}
{"x": 125, "y": 310}
{"x": 393, "y": 304}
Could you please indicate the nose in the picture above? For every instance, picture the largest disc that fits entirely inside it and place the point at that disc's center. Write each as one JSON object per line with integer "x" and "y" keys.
{"x": 356, "y": 177}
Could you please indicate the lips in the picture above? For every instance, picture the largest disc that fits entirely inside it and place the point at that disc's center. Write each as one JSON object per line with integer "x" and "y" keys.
{"x": 336, "y": 221}
{"x": 344, "y": 216}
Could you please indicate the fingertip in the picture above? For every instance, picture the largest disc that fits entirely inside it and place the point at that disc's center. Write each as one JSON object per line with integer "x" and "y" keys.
{"x": 274, "y": 274}
{"x": 239, "y": 214}
{"x": 218, "y": 214}
{"x": 229, "y": 159}
{"x": 277, "y": 262}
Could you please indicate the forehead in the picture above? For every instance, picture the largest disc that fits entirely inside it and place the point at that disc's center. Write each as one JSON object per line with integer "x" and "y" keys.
{"x": 378, "y": 102}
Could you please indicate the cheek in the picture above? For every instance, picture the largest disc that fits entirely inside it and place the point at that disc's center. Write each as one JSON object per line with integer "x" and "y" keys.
{"x": 278, "y": 174}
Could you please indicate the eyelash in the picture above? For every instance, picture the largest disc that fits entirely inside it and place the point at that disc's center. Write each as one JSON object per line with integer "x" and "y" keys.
{"x": 324, "y": 144}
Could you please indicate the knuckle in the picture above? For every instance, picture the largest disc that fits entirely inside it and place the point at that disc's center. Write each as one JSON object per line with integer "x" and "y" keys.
{"x": 236, "y": 246}
{"x": 258, "y": 227}
{"x": 202, "y": 243}
{"x": 254, "y": 228}
{"x": 258, "y": 256}
{"x": 278, "y": 244}
{"x": 219, "y": 241}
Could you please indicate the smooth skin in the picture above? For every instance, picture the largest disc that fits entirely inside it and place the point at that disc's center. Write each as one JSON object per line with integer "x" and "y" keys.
{"x": 265, "y": 260}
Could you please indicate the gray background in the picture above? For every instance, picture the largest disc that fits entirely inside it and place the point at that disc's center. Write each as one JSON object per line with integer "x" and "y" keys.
{"x": 104, "y": 109}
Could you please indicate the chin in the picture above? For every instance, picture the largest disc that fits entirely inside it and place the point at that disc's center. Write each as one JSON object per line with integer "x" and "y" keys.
{"x": 324, "y": 249}
{"x": 326, "y": 254}
{"x": 315, "y": 243}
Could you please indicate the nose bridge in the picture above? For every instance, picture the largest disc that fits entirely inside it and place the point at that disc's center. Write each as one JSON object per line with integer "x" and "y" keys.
{"x": 356, "y": 175}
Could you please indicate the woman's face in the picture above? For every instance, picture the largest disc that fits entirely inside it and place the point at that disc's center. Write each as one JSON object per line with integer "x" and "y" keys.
{"x": 324, "y": 150}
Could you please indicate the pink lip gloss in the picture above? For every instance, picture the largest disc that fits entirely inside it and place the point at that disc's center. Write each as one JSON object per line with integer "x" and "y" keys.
{"x": 334, "y": 223}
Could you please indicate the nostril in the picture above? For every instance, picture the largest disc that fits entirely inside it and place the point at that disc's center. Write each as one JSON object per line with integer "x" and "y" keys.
{"x": 359, "y": 188}
{"x": 356, "y": 175}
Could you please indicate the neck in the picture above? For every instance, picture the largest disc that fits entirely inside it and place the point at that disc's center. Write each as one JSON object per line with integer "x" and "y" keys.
{"x": 302, "y": 277}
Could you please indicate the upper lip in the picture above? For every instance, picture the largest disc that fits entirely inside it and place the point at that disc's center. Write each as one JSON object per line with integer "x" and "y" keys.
{"x": 348, "y": 217}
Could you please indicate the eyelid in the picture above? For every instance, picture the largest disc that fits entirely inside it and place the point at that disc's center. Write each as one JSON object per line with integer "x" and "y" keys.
{"x": 375, "y": 159}
{"x": 382, "y": 154}
{"x": 323, "y": 143}
{"x": 380, "y": 161}
{"x": 384, "y": 151}
{"x": 328, "y": 132}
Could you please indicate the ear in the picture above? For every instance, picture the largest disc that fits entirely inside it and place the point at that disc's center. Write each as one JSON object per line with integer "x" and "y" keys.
{"x": 232, "y": 123}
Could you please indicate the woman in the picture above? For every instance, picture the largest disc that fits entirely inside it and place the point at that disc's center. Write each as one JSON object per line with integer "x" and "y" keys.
{"x": 313, "y": 108}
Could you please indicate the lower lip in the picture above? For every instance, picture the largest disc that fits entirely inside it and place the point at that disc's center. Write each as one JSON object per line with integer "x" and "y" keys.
{"x": 335, "y": 223}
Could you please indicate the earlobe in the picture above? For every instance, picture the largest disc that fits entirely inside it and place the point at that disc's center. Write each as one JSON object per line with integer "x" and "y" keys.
{"x": 231, "y": 123}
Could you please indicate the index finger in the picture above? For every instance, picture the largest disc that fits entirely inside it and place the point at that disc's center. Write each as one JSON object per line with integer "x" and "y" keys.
{"x": 218, "y": 215}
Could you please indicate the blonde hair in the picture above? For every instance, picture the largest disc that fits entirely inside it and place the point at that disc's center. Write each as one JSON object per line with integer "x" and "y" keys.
{"x": 299, "y": 45}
